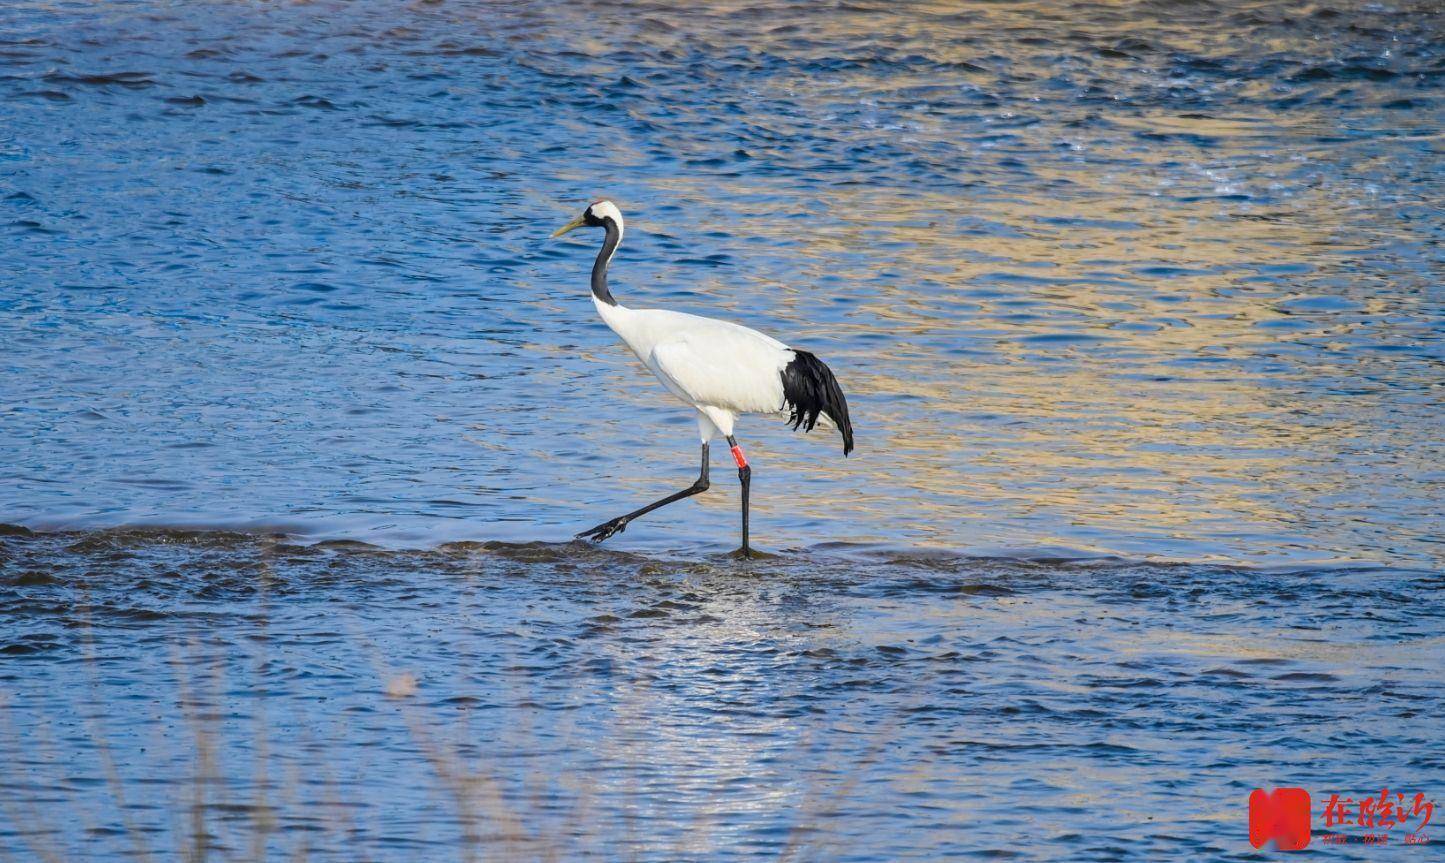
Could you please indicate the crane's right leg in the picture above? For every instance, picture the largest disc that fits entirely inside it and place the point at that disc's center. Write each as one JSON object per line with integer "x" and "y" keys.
{"x": 619, "y": 524}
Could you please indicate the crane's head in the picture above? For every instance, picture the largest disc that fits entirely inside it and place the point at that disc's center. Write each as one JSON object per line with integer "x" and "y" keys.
{"x": 595, "y": 216}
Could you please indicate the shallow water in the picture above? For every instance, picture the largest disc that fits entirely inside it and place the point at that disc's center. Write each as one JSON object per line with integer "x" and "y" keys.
{"x": 840, "y": 703}
{"x": 1108, "y": 285}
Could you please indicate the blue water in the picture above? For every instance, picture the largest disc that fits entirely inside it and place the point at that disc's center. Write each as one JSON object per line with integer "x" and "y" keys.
{"x": 1138, "y": 308}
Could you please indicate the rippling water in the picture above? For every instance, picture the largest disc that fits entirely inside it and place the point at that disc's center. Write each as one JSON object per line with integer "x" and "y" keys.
{"x": 1123, "y": 281}
{"x": 839, "y": 705}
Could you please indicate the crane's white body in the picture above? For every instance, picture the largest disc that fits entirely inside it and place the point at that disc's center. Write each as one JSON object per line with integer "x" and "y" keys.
{"x": 720, "y": 368}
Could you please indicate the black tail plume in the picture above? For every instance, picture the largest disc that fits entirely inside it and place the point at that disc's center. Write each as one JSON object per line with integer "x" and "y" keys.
{"x": 809, "y": 389}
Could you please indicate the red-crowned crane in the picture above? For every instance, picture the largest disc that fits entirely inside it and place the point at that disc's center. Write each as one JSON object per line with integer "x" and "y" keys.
{"x": 720, "y": 368}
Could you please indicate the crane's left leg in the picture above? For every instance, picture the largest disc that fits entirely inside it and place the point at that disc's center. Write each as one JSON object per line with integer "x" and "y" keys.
{"x": 619, "y": 524}
{"x": 745, "y": 476}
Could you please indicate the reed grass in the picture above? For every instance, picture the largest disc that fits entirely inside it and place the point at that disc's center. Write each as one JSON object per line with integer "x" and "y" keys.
{"x": 493, "y": 802}
{"x": 270, "y": 814}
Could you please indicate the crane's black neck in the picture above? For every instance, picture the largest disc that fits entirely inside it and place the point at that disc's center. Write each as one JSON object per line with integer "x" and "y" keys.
{"x": 604, "y": 257}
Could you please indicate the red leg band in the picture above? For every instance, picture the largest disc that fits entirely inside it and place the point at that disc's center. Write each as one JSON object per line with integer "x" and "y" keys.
{"x": 739, "y": 457}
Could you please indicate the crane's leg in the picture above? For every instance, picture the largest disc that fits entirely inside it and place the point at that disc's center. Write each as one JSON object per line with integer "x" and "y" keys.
{"x": 619, "y": 524}
{"x": 745, "y": 476}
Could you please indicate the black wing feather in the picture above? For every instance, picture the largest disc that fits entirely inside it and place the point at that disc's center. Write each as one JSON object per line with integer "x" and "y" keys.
{"x": 809, "y": 389}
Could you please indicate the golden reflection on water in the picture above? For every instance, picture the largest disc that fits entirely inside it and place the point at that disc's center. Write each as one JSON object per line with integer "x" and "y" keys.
{"x": 1124, "y": 431}
{"x": 1104, "y": 277}
{"x": 1107, "y": 358}
{"x": 1098, "y": 345}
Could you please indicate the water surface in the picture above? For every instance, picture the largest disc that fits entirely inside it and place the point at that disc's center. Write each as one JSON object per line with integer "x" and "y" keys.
{"x": 1138, "y": 308}
{"x": 1140, "y": 278}
{"x": 536, "y": 702}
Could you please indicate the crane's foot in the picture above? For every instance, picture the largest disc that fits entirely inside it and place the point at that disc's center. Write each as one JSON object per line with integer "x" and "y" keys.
{"x": 605, "y": 530}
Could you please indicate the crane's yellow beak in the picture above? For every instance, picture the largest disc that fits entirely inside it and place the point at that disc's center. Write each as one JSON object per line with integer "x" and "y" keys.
{"x": 570, "y": 226}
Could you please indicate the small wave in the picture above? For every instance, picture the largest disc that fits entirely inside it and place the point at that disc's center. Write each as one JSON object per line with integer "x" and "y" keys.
{"x": 129, "y": 80}
{"x": 1006, "y": 571}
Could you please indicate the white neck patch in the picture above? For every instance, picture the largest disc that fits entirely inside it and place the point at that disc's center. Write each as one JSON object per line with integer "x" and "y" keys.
{"x": 607, "y": 210}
